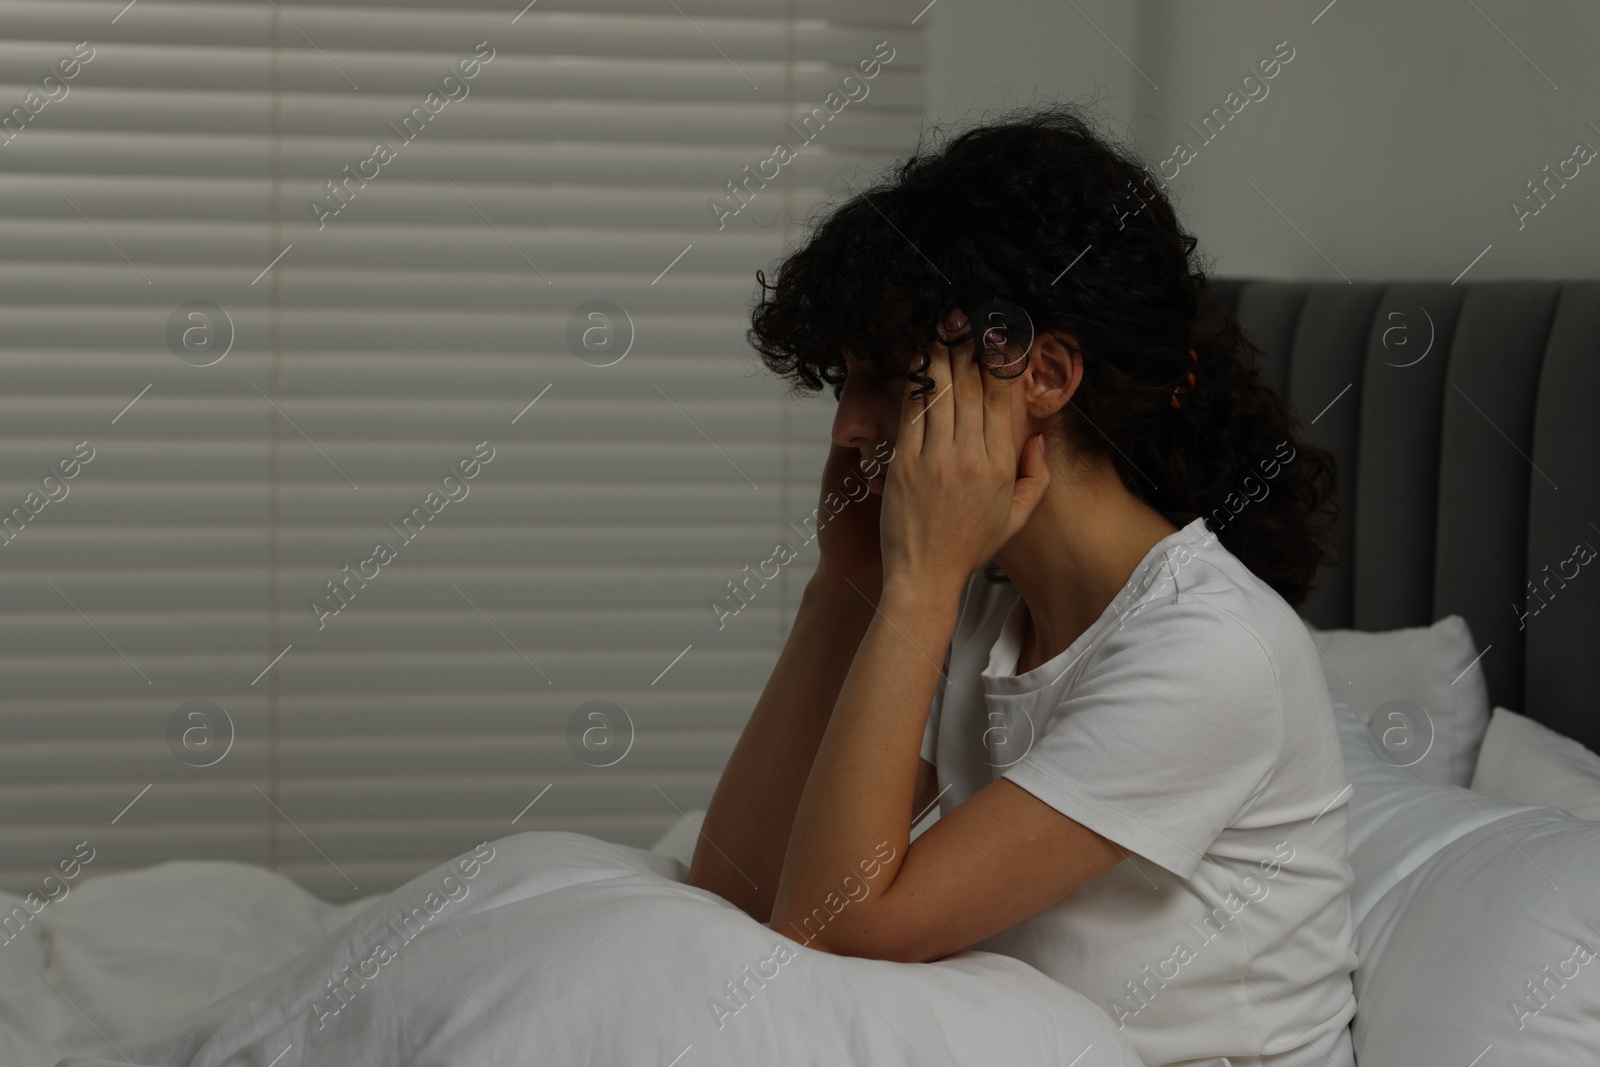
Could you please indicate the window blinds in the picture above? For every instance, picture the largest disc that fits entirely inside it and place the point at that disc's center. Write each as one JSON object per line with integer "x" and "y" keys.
{"x": 402, "y": 477}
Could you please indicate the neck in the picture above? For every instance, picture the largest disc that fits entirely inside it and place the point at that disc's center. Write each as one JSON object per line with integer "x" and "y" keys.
{"x": 1075, "y": 553}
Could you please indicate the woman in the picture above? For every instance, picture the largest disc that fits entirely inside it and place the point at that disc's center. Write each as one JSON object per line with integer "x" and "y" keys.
{"x": 1098, "y": 513}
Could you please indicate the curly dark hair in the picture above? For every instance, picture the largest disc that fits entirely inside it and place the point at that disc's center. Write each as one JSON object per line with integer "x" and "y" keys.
{"x": 1069, "y": 229}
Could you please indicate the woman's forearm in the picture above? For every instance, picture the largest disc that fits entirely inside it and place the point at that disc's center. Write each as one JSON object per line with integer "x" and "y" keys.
{"x": 859, "y": 793}
{"x": 745, "y": 837}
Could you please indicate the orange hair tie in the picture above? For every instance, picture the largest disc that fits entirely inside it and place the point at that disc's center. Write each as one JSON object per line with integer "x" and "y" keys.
{"x": 1188, "y": 385}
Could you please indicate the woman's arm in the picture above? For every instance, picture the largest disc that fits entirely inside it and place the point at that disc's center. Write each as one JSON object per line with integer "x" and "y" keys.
{"x": 739, "y": 855}
{"x": 953, "y": 497}
{"x": 996, "y": 859}
{"x": 740, "y": 851}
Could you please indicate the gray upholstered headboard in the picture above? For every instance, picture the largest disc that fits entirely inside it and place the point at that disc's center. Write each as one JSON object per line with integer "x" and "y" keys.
{"x": 1467, "y": 444}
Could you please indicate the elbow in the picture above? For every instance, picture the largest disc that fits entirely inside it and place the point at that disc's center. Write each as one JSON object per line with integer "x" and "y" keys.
{"x": 868, "y": 933}
{"x": 739, "y": 894}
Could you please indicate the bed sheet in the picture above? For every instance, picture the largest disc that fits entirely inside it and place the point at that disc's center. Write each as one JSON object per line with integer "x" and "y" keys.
{"x": 132, "y": 953}
{"x": 538, "y": 948}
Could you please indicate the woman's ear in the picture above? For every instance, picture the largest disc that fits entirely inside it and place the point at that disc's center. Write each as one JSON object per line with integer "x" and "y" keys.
{"x": 1055, "y": 369}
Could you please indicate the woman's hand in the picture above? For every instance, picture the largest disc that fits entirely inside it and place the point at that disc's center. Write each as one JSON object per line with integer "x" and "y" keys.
{"x": 847, "y": 538}
{"x": 953, "y": 495}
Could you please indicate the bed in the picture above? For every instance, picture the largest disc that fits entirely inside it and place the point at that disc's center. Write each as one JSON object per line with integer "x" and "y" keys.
{"x": 1466, "y": 474}
{"x": 1459, "y": 417}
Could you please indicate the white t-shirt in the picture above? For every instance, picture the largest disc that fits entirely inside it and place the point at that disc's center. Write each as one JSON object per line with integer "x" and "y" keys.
{"x": 1190, "y": 725}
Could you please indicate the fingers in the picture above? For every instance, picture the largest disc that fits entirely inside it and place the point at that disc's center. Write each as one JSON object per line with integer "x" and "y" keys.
{"x": 913, "y": 423}
{"x": 962, "y": 408}
{"x": 967, "y": 391}
{"x": 997, "y": 414}
{"x": 1030, "y": 486}
{"x": 939, "y": 413}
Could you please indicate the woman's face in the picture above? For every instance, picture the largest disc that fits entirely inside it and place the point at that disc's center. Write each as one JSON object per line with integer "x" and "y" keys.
{"x": 869, "y": 412}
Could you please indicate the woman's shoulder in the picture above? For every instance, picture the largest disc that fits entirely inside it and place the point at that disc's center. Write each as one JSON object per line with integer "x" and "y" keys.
{"x": 1207, "y": 593}
{"x": 1197, "y": 643}
{"x": 1199, "y": 637}
{"x": 1231, "y": 633}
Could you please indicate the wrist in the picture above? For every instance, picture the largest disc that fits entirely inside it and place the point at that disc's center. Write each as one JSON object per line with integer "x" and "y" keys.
{"x": 842, "y": 592}
{"x": 920, "y": 596}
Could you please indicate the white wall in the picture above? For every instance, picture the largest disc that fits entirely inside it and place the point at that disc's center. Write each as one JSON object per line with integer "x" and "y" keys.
{"x": 1000, "y": 53}
{"x": 1394, "y": 140}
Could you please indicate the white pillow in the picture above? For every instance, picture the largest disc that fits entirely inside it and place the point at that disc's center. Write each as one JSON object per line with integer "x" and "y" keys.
{"x": 32, "y": 1015}
{"x": 1530, "y": 763}
{"x": 1421, "y": 690}
{"x": 1464, "y": 905}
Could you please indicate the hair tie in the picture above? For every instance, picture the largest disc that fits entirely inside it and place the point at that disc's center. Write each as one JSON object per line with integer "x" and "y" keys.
{"x": 1187, "y": 385}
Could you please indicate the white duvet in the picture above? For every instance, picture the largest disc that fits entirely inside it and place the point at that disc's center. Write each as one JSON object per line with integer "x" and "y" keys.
{"x": 538, "y": 949}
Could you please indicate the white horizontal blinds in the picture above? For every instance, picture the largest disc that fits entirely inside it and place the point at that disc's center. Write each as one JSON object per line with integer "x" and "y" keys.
{"x": 149, "y": 583}
{"x": 422, "y": 318}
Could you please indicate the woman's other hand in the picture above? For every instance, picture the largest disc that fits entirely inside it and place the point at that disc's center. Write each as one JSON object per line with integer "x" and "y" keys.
{"x": 847, "y": 521}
